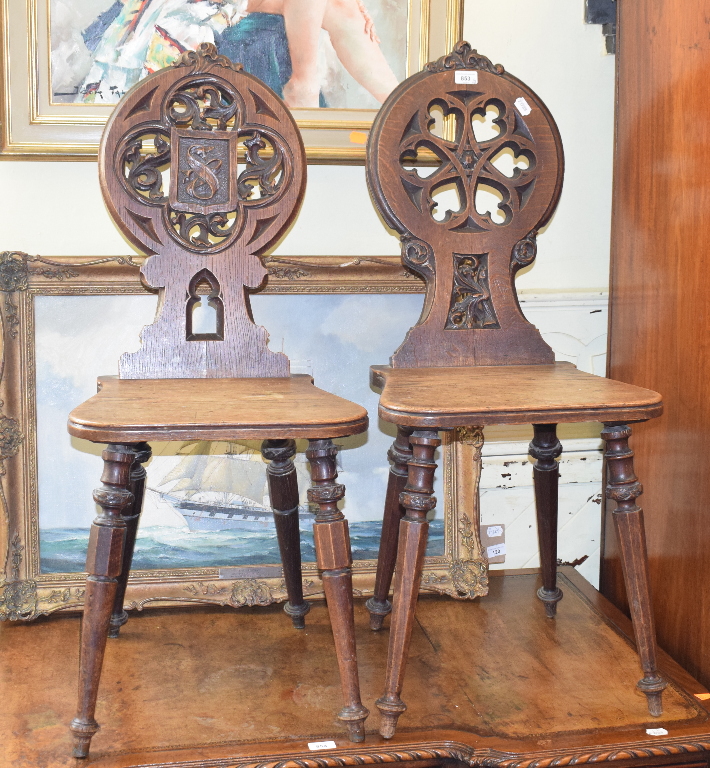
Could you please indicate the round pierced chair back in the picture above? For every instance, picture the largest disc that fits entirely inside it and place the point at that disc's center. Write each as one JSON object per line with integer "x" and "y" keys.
{"x": 202, "y": 166}
{"x": 465, "y": 135}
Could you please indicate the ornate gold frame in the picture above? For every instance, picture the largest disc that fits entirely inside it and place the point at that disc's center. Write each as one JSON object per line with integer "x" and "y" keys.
{"x": 35, "y": 128}
{"x": 26, "y": 593}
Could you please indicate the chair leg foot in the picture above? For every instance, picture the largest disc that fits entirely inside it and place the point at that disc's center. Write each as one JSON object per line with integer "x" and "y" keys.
{"x": 550, "y": 598}
{"x": 297, "y": 614}
{"x": 653, "y": 687}
{"x": 390, "y": 709}
{"x": 545, "y": 448}
{"x": 378, "y": 610}
{"x": 354, "y": 720}
{"x": 82, "y": 731}
{"x": 117, "y": 621}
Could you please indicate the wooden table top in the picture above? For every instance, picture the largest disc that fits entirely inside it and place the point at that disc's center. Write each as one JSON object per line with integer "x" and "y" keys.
{"x": 133, "y": 410}
{"x": 507, "y": 394}
{"x": 490, "y": 679}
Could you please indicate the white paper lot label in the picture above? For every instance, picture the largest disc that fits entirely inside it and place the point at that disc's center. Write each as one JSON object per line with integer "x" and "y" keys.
{"x": 522, "y": 106}
{"x": 494, "y": 531}
{"x": 656, "y": 731}
{"x": 316, "y": 745}
{"x": 496, "y": 550}
{"x": 465, "y": 77}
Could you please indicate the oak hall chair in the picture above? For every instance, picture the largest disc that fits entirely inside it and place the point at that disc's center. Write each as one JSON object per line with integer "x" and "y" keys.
{"x": 473, "y": 359}
{"x": 203, "y": 167}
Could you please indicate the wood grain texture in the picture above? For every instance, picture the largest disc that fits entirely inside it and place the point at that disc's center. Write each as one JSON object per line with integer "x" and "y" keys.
{"x": 659, "y": 305}
{"x": 197, "y": 119}
{"x": 515, "y": 394}
{"x": 132, "y": 410}
{"x": 468, "y": 259}
{"x": 563, "y": 691}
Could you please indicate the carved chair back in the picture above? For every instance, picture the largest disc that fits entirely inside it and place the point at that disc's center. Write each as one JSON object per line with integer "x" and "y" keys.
{"x": 494, "y": 138}
{"x": 202, "y": 167}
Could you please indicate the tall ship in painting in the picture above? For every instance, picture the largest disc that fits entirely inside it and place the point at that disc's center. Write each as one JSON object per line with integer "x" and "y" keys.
{"x": 218, "y": 490}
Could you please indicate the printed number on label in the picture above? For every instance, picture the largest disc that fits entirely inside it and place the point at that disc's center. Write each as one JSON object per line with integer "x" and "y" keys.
{"x": 462, "y": 77}
{"x": 494, "y": 531}
{"x": 522, "y": 106}
{"x": 496, "y": 550}
{"x": 656, "y": 731}
{"x": 314, "y": 745}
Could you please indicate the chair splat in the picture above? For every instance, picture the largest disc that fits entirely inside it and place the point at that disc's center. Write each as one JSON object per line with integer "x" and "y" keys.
{"x": 498, "y": 165}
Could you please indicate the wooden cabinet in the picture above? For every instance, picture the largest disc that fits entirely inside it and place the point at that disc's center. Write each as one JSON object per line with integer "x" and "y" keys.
{"x": 660, "y": 305}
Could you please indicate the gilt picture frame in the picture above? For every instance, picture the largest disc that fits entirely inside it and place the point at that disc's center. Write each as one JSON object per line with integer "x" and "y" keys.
{"x": 34, "y": 288}
{"x": 56, "y": 102}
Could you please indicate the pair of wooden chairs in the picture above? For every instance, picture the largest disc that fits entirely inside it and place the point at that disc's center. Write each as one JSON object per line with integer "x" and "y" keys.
{"x": 236, "y": 180}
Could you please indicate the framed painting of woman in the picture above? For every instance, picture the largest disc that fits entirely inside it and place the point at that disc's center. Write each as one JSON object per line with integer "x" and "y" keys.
{"x": 334, "y": 62}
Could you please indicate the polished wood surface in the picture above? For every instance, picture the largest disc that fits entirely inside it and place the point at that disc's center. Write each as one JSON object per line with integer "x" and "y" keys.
{"x": 131, "y": 410}
{"x": 490, "y": 680}
{"x": 512, "y": 394}
{"x": 659, "y": 305}
{"x": 473, "y": 359}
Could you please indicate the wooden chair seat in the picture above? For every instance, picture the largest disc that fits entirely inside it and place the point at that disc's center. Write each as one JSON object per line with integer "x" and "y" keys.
{"x": 507, "y": 394}
{"x": 135, "y": 410}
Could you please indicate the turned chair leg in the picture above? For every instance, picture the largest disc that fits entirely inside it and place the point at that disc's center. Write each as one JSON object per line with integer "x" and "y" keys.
{"x": 417, "y": 499}
{"x": 103, "y": 566}
{"x": 545, "y": 448}
{"x": 399, "y": 454}
{"x": 624, "y": 488}
{"x": 334, "y": 559}
{"x": 283, "y": 492}
{"x": 131, "y": 517}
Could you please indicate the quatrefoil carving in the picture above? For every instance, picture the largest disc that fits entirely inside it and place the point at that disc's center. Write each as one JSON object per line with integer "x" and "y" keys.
{"x": 202, "y": 167}
{"x": 492, "y": 141}
{"x": 215, "y": 164}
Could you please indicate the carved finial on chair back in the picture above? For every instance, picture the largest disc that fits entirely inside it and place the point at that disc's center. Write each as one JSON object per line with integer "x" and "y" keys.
{"x": 203, "y": 167}
{"x": 494, "y": 142}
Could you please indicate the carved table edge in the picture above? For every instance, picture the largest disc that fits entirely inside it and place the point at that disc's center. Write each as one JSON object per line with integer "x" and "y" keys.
{"x": 483, "y": 757}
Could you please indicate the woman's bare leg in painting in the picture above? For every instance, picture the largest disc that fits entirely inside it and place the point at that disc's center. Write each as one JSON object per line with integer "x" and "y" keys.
{"x": 352, "y": 34}
{"x": 357, "y": 46}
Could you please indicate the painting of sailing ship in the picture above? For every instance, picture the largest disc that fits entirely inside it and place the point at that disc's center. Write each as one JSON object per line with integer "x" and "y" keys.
{"x": 207, "y": 503}
{"x": 217, "y": 492}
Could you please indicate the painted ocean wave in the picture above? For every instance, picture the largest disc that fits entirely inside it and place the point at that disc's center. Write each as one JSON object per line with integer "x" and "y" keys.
{"x": 63, "y": 550}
